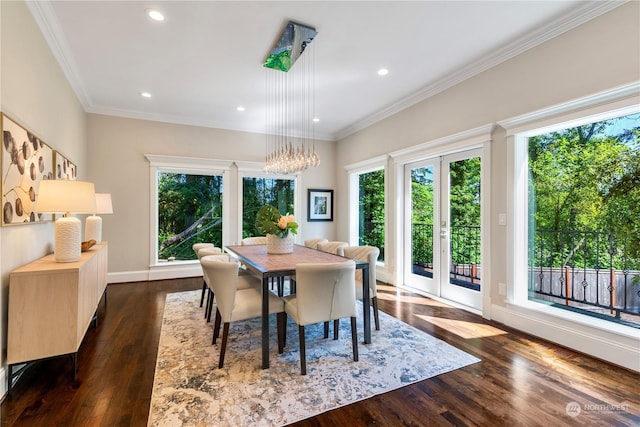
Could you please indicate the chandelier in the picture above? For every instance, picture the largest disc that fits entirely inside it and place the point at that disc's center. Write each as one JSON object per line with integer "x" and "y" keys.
{"x": 290, "y": 146}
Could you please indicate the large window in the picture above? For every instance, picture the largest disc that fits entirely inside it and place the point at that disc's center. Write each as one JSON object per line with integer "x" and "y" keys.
{"x": 189, "y": 211}
{"x": 371, "y": 210}
{"x": 258, "y": 191}
{"x": 584, "y": 218}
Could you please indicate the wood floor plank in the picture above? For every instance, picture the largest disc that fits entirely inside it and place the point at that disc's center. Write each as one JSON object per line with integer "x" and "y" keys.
{"x": 521, "y": 380}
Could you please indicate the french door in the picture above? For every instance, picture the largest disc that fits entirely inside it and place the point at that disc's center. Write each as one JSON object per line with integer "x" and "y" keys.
{"x": 442, "y": 233}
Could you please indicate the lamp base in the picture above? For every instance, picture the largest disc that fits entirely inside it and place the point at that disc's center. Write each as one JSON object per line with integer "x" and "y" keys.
{"x": 93, "y": 228}
{"x": 67, "y": 239}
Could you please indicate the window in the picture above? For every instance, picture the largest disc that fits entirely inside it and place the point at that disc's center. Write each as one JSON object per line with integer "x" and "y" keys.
{"x": 584, "y": 205}
{"x": 259, "y": 191}
{"x": 189, "y": 204}
{"x": 367, "y": 194}
{"x": 189, "y": 211}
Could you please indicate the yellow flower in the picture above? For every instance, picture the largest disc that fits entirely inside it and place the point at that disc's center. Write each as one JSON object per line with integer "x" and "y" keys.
{"x": 282, "y": 222}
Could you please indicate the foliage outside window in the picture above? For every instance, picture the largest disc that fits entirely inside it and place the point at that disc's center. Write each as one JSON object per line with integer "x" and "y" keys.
{"x": 260, "y": 191}
{"x": 371, "y": 210}
{"x": 189, "y": 211}
{"x": 584, "y": 227}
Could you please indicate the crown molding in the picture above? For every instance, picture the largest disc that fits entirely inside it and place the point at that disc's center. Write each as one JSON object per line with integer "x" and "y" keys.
{"x": 47, "y": 21}
{"x": 582, "y": 14}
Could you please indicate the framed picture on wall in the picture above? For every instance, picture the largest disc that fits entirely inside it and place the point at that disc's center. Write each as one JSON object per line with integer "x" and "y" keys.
{"x": 26, "y": 161}
{"x": 320, "y": 205}
{"x": 64, "y": 168}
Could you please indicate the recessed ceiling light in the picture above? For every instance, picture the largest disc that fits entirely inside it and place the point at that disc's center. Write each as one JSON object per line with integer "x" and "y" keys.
{"x": 316, "y": 120}
{"x": 145, "y": 94}
{"x": 240, "y": 108}
{"x": 383, "y": 72}
{"x": 154, "y": 14}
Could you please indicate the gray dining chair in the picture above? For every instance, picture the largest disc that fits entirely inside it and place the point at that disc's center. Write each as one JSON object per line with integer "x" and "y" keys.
{"x": 233, "y": 304}
{"x": 313, "y": 243}
{"x": 325, "y": 292}
{"x": 370, "y": 255}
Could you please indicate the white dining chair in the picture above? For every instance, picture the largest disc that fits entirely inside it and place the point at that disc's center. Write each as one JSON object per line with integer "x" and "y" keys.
{"x": 334, "y": 247}
{"x": 325, "y": 292}
{"x": 196, "y": 247}
{"x": 313, "y": 243}
{"x": 233, "y": 304}
{"x": 257, "y": 240}
{"x": 370, "y": 255}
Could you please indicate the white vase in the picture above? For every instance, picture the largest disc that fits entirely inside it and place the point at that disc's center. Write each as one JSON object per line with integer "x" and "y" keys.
{"x": 279, "y": 245}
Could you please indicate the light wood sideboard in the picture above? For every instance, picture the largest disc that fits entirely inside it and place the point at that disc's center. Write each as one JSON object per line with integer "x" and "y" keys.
{"x": 52, "y": 304}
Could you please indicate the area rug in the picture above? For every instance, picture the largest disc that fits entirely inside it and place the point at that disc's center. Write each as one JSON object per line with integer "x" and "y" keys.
{"x": 189, "y": 390}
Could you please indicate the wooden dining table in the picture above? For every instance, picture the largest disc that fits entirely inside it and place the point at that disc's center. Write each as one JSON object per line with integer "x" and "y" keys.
{"x": 266, "y": 265}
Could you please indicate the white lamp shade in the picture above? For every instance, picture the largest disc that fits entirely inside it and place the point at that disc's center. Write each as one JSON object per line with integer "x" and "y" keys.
{"x": 64, "y": 196}
{"x": 103, "y": 203}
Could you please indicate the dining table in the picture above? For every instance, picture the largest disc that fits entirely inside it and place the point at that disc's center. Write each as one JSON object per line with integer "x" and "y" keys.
{"x": 265, "y": 265}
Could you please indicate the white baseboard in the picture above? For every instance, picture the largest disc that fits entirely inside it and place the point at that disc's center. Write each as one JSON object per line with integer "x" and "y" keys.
{"x": 622, "y": 349}
{"x": 155, "y": 274}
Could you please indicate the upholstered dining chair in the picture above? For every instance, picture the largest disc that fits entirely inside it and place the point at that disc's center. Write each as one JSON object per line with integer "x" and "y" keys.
{"x": 325, "y": 292}
{"x": 196, "y": 247}
{"x": 313, "y": 243}
{"x": 257, "y": 240}
{"x": 245, "y": 281}
{"x": 334, "y": 247}
{"x": 233, "y": 304}
{"x": 370, "y": 255}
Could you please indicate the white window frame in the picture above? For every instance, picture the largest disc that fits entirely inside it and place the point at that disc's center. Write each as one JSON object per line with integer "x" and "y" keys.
{"x": 256, "y": 170}
{"x": 191, "y": 166}
{"x": 601, "y": 338}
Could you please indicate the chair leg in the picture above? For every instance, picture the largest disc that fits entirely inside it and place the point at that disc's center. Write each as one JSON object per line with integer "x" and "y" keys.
{"x": 303, "y": 352}
{"x": 280, "y": 326}
{"x": 354, "y": 339}
{"x": 206, "y": 307}
{"x": 223, "y": 347}
{"x": 326, "y": 329}
{"x": 216, "y": 327}
{"x": 376, "y": 316}
{"x": 336, "y": 328}
{"x": 204, "y": 290}
{"x": 284, "y": 331}
{"x": 280, "y": 286}
{"x": 210, "y": 306}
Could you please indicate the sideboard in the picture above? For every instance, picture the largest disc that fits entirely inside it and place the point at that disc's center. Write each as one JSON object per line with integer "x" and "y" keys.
{"x": 51, "y": 305}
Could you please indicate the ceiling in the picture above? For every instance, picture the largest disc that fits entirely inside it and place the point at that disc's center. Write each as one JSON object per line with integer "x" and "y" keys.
{"x": 206, "y": 58}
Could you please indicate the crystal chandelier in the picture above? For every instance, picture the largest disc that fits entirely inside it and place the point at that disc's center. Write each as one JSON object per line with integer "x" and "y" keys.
{"x": 290, "y": 102}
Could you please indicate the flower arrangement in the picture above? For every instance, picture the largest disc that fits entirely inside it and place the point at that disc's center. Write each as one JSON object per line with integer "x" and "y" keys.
{"x": 270, "y": 221}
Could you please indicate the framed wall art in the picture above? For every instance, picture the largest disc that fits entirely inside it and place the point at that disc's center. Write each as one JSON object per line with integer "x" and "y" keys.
{"x": 320, "y": 205}
{"x": 64, "y": 168}
{"x": 26, "y": 160}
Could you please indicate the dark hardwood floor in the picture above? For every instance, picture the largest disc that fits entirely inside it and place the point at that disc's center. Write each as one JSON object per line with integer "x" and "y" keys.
{"x": 521, "y": 380}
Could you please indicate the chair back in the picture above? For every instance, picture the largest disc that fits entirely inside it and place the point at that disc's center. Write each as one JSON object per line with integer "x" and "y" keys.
{"x": 368, "y": 254}
{"x": 313, "y": 243}
{"x": 211, "y": 251}
{"x": 223, "y": 280}
{"x": 258, "y": 240}
{"x": 197, "y": 246}
{"x": 325, "y": 291}
{"x": 334, "y": 247}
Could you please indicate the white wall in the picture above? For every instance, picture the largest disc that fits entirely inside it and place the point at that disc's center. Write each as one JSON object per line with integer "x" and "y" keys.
{"x": 599, "y": 55}
{"x": 117, "y": 165}
{"x": 34, "y": 93}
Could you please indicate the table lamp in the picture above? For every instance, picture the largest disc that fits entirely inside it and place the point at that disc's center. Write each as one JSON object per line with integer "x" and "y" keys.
{"x": 64, "y": 196}
{"x": 93, "y": 223}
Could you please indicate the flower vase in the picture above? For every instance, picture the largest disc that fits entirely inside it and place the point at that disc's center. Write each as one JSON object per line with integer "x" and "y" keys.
{"x": 279, "y": 245}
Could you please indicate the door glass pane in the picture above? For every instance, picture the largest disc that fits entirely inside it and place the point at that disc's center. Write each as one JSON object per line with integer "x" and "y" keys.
{"x": 422, "y": 210}
{"x": 371, "y": 210}
{"x": 189, "y": 211}
{"x": 259, "y": 191}
{"x": 464, "y": 220}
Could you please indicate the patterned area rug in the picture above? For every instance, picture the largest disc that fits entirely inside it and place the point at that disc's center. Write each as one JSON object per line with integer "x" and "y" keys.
{"x": 189, "y": 389}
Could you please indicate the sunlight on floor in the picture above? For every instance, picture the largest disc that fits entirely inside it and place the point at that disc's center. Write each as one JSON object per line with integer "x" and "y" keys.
{"x": 396, "y": 294}
{"x": 463, "y": 329}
